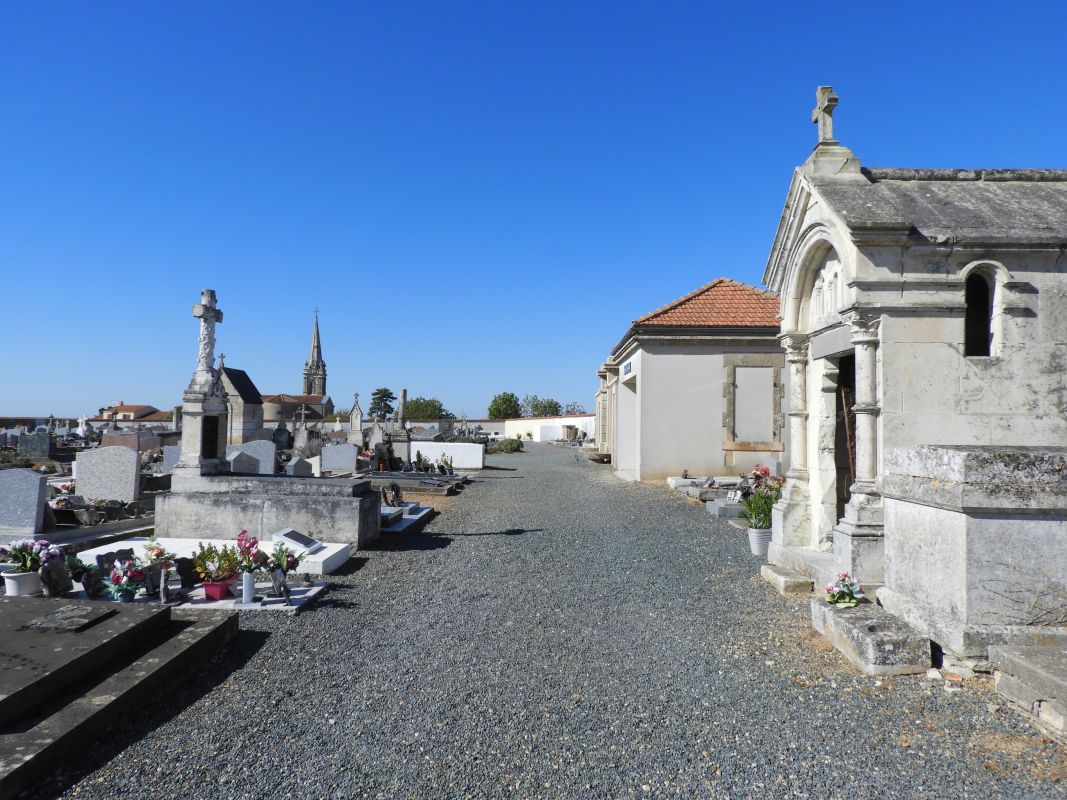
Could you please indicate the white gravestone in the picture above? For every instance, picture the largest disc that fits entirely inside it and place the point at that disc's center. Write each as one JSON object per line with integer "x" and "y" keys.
{"x": 263, "y": 451}
{"x": 171, "y": 454}
{"x": 22, "y": 499}
{"x": 109, "y": 473}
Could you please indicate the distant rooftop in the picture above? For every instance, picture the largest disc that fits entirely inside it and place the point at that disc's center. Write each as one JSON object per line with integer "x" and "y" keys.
{"x": 723, "y": 303}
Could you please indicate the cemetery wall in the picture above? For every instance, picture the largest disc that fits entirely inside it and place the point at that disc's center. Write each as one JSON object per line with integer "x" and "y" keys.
{"x": 530, "y": 425}
{"x": 463, "y": 455}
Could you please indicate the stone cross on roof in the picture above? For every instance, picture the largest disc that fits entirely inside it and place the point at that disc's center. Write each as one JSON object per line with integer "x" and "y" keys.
{"x": 822, "y": 114}
{"x": 208, "y": 314}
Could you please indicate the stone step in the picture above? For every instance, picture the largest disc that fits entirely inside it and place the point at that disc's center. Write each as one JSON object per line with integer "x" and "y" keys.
{"x": 786, "y": 581}
{"x": 391, "y": 514}
{"x": 50, "y": 644}
{"x": 1034, "y": 681}
{"x": 37, "y": 743}
{"x": 410, "y": 522}
{"x": 871, "y": 638}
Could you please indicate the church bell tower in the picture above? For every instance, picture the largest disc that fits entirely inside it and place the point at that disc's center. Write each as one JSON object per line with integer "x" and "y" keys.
{"x": 315, "y": 368}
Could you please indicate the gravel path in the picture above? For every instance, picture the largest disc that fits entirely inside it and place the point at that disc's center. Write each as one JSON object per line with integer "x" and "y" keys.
{"x": 558, "y": 633}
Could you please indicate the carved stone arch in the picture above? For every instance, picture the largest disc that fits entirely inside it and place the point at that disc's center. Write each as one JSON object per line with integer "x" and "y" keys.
{"x": 806, "y": 261}
{"x": 997, "y": 277}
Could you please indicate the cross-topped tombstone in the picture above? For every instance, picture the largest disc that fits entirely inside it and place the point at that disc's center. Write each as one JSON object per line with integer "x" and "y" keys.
{"x": 822, "y": 114}
{"x": 204, "y": 402}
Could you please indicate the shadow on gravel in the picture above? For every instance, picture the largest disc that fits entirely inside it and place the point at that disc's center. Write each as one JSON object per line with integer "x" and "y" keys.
{"x": 353, "y": 566}
{"x": 409, "y": 541}
{"x": 508, "y": 532}
{"x": 501, "y": 469}
{"x": 146, "y": 716}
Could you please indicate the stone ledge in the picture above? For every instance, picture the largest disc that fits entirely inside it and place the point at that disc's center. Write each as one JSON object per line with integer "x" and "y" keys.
{"x": 871, "y": 638}
{"x": 786, "y": 581}
{"x": 1034, "y": 681}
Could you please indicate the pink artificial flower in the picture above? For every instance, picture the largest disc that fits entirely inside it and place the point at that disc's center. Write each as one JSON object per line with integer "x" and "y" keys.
{"x": 842, "y": 576}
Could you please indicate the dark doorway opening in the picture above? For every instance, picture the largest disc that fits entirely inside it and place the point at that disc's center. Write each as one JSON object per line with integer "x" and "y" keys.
{"x": 845, "y": 432}
{"x": 978, "y": 317}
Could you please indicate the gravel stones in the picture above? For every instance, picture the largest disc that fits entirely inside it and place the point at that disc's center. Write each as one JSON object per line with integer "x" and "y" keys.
{"x": 559, "y": 633}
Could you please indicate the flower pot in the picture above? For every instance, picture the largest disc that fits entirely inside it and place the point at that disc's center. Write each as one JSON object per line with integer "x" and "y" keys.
{"x": 125, "y": 597}
{"x": 758, "y": 541}
{"x": 6, "y": 567}
{"x": 216, "y": 590}
{"x": 248, "y": 587}
{"x": 22, "y": 584}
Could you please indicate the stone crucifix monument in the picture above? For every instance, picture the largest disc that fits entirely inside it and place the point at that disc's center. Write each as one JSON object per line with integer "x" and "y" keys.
{"x": 204, "y": 402}
{"x": 829, "y": 157}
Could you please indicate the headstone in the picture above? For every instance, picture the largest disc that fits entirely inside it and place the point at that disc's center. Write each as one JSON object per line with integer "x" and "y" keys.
{"x": 260, "y": 435}
{"x": 339, "y": 458}
{"x": 171, "y": 454}
{"x": 37, "y": 445}
{"x": 109, "y": 473}
{"x": 263, "y": 452}
{"x": 316, "y": 466}
{"x": 299, "y": 468}
{"x": 23, "y": 497}
{"x": 243, "y": 464}
{"x": 376, "y": 437}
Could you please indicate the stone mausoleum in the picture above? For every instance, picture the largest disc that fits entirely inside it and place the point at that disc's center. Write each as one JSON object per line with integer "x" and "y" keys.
{"x": 924, "y": 319}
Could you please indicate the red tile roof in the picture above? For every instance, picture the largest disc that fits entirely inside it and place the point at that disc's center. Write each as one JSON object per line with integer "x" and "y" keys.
{"x": 723, "y": 303}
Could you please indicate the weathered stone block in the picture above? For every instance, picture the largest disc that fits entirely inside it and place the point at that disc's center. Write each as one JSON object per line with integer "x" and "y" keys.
{"x": 1034, "y": 680}
{"x": 871, "y": 638}
{"x": 786, "y": 581}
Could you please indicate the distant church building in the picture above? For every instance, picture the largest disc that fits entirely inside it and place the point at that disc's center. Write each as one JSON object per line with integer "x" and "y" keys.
{"x": 315, "y": 368}
{"x": 314, "y": 400}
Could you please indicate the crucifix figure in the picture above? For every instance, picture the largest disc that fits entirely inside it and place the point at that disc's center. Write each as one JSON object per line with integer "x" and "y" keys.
{"x": 222, "y": 360}
{"x": 208, "y": 314}
{"x": 822, "y": 114}
{"x": 302, "y": 416}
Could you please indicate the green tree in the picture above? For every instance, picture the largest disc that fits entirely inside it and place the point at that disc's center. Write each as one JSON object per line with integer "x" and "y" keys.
{"x": 574, "y": 408}
{"x": 505, "y": 406}
{"x": 381, "y": 403}
{"x": 427, "y": 408}
{"x": 534, "y": 406}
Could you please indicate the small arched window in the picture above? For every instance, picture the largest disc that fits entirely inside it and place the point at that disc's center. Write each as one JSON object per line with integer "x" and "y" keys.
{"x": 978, "y": 317}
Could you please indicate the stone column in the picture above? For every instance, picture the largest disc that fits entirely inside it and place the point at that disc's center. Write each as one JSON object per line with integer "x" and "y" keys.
{"x": 791, "y": 517}
{"x": 865, "y": 341}
{"x": 859, "y": 544}
{"x": 796, "y": 354}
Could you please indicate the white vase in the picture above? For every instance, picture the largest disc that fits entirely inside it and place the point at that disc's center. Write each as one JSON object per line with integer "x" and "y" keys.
{"x": 248, "y": 587}
{"x": 759, "y": 539}
{"x": 22, "y": 584}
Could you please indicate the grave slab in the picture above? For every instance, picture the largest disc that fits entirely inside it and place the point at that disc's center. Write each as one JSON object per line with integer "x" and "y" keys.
{"x": 871, "y": 638}
{"x": 36, "y": 662}
{"x": 1034, "y": 681}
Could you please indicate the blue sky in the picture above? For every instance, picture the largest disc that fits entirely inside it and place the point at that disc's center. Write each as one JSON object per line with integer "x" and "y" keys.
{"x": 478, "y": 197}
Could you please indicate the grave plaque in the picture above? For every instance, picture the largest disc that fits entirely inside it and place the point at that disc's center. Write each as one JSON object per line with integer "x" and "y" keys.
{"x": 243, "y": 464}
{"x": 186, "y": 572}
{"x": 69, "y": 619}
{"x": 734, "y": 496}
{"x": 299, "y": 468}
{"x": 297, "y": 541}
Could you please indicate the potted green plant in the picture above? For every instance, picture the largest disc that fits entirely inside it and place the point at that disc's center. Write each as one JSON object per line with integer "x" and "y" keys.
{"x": 27, "y": 556}
{"x": 217, "y": 568}
{"x": 756, "y": 512}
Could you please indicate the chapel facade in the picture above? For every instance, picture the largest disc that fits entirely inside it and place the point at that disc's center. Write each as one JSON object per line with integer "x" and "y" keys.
{"x": 924, "y": 320}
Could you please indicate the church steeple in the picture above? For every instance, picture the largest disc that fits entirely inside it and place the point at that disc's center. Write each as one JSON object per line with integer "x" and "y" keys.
{"x": 315, "y": 368}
